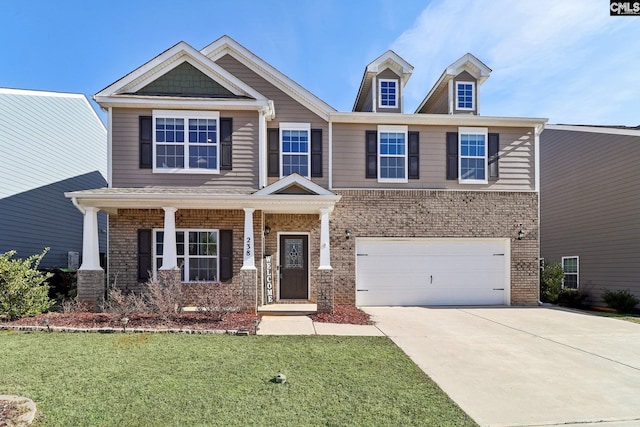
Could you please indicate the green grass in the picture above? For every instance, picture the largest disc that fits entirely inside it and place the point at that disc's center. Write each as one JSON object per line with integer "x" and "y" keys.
{"x": 627, "y": 317}
{"x": 182, "y": 380}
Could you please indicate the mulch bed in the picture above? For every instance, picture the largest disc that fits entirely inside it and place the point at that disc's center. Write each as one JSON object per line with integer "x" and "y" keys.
{"x": 343, "y": 314}
{"x": 240, "y": 322}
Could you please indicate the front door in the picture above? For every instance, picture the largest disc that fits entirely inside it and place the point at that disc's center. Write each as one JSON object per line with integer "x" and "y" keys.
{"x": 294, "y": 266}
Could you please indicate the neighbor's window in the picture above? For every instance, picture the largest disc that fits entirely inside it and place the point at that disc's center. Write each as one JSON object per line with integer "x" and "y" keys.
{"x": 570, "y": 266}
{"x": 295, "y": 145}
{"x": 465, "y": 95}
{"x": 473, "y": 155}
{"x": 197, "y": 252}
{"x": 388, "y": 93}
{"x": 392, "y": 153}
{"x": 186, "y": 141}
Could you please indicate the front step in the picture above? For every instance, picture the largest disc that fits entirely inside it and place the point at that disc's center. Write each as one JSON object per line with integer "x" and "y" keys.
{"x": 288, "y": 309}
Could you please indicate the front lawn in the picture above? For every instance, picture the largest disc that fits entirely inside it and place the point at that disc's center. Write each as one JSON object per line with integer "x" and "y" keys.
{"x": 183, "y": 380}
{"x": 627, "y": 317}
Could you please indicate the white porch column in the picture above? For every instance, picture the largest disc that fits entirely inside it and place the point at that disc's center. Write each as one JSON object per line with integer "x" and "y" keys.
{"x": 169, "y": 254}
{"x": 325, "y": 244}
{"x": 90, "y": 242}
{"x": 248, "y": 250}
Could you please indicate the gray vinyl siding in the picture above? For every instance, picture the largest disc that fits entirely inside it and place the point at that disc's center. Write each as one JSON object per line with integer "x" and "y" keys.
{"x": 368, "y": 103}
{"x": 44, "y": 217}
{"x": 125, "y": 145}
{"x": 287, "y": 109}
{"x": 516, "y": 166}
{"x": 390, "y": 75}
{"x": 465, "y": 77}
{"x": 440, "y": 103}
{"x": 590, "y": 207}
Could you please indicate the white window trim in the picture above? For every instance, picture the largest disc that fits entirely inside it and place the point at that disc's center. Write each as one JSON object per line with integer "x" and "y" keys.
{"x": 394, "y": 129}
{"x": 473, "y": 96}
{"x": 473, "y": 131}
{"x": 577, "y": 273}
{"x": 185, "y": 256}
{"x": 185, "y": 115}
{"x": 395, "y": 99}
{"x": 295, "y": 126}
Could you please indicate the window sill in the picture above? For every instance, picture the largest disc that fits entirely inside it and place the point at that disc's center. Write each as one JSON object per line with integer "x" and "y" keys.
{"x": 393, "y": 180}
{"x": 472, "y": 181}
{"x": 187, "y": 171}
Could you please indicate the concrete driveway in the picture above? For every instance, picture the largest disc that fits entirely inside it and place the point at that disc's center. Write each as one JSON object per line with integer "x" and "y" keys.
{"x": 510, "y": 366}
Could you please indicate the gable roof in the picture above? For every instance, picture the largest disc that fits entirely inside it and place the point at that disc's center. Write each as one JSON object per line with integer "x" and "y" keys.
{"x": 129, "y": 85}
{"x": 225, "y": 45}
{"x": 48, "y": 137}
{"x": 468, "y": 63}
{"x": 294, "y": 180}
{"x": 389, "y": 59}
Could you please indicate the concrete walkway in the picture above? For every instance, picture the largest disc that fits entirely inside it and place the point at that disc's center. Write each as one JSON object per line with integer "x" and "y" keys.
{"x": 303, "y": 325}
{"x": 512, "y": 366}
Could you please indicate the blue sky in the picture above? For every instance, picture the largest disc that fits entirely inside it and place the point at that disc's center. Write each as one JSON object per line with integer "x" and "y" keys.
{"x": 565, "y": 60}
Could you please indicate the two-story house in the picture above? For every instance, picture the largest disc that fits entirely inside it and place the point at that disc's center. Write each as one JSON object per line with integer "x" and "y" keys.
{"x": 224, "y": 169}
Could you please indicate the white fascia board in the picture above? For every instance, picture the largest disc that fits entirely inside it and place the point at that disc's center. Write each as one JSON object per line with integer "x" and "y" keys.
{"x": 291, "y": 180}
{"x": 30, "y": 92}
{"x": 435, "y": 119}
{"x": 192, "y": 56}
{"x": 594, "y": 129}
{"x": 378, "y": 65}
{"x": 280, "y": 203}
{"x": 433, "y": 90}
{"x": 226, "y": 45}
{"x": 162, "y": 102}
{"x": 481, "y": 74}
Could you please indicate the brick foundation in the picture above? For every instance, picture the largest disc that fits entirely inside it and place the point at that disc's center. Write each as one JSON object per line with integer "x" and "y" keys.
{"x": 91, "y": 288}
{"x": 325, "y": 291}
{"x": 249, "y": 280}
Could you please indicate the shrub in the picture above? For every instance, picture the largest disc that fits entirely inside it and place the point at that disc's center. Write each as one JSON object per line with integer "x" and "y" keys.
{"x": 551, "y": 282}
{"x": 23, "y": 289}
{"x": 125, "y": 303}
{"x": 164, "y": 295}
{"x": 571, "y": 298}
{"x": 621, "y": 301}
{"x": 216, "y": 300}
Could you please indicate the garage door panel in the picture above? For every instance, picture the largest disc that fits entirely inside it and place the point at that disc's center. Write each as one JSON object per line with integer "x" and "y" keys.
{"x": 423, "y": 272}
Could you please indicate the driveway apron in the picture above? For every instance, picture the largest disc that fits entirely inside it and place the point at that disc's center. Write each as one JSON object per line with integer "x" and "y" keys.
{"x": 508, "y": 366}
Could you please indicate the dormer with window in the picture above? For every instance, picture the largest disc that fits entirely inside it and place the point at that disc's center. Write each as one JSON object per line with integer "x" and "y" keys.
{"x": 457, "y": 89}
{"x": 382, "y": 86}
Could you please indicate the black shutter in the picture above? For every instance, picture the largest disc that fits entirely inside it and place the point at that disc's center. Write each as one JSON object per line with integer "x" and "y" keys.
{"x": 226, "y": 255}
{"x": 414, "y": 155}
{"x": 371, "y": 158}
{"x": 452, "y": 155}
{"x": 494, "y": 148}
{"x": 273, "y": 152}
{"x": 316, "y": 152}
{"x": 226, "y": 131}
{"x": 144, "y": 254}
{"x": 146, "y": 140}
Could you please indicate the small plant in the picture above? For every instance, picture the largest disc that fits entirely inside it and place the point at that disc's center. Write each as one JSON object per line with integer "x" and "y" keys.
{"x": 622, "y": 301}
{"x": 23, "y": 289}
{"x": 551, "y": 282}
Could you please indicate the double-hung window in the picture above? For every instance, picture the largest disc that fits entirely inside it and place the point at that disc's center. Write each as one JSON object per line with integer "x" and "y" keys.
{"x": 465, "y": 96}
{"x": 197, "y": 252}
{"x": 186, "y": 141}
{"x": 473, "y": 155}
{"x": 295, "y": 144}
{"x": 388, "y": 93}
{"x": 570, "y": 265}
{"x": 392, "y": 153}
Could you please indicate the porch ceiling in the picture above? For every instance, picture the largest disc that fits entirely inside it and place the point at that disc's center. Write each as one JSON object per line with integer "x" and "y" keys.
{"x": 111, "y": 199}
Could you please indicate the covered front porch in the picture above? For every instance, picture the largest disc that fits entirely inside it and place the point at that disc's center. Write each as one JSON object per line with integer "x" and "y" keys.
{"x": 272, "y": 245}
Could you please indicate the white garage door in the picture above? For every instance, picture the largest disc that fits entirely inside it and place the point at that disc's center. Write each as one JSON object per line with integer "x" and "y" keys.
{"x": 432, "y": 271}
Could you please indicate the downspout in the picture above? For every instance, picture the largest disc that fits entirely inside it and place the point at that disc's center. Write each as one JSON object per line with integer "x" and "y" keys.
{"x": 536, "y": 150}
{"x": 330, "y": 154}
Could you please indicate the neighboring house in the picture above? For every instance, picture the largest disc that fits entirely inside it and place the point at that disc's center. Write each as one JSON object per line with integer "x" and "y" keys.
{"x": 590, "y": 206}
{"x": 49, "y": 143}
{"x": 222, "y": 165}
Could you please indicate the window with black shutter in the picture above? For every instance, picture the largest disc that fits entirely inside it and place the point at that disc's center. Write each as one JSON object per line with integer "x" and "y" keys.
{"x": 146, "y": 141}
{"x": 226, "y": 153}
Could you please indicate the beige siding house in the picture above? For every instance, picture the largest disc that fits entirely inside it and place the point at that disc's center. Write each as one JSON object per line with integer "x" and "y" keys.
{"x": 222, "y": 169}
{"x": 590, "y": 206}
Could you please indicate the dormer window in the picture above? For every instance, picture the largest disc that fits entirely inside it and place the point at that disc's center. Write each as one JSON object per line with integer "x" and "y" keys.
{"x": 465, "y": 96}
{"x": 388, "y": 90}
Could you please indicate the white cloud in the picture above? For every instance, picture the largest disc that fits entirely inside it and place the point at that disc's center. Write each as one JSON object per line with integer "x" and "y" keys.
{"x": 567, "y": 60}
